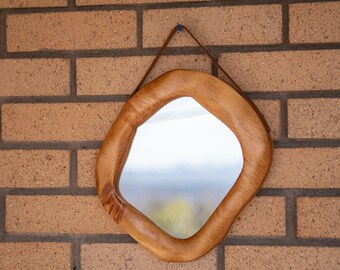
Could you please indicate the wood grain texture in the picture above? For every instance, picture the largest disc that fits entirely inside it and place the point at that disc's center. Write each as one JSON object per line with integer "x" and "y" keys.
{"x": 228, "y": 105}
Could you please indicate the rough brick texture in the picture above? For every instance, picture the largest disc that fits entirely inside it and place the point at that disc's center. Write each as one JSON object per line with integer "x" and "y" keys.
{"x": 112, "y": 2}
{"x": 133, "y": 256}
{"x": 34, "y": 168}
{"x": 315, "y": 22}
{"x": 271, "y": 112}
{"x": 263, "y": 216}
{"x": 284, "y": 71}
{"x": 66, "y": 68}
{"x": 99, "y": 76}
{"x": 285, "y": 258}
{"x": 318, "y": 217}
{"x": 34, "y": 77}
{"x": 33, "y": 256}
{"x": 32, "y": 3}
{"x": 86, "y": 167}
{"x": 305, "y": 168}
{"x": 58, "y": 214}
{"x": 58, "y": 122}
{"x": 71, "y": 31}
{"x": 215, "y": 26}
{"x": 314, "y": 118}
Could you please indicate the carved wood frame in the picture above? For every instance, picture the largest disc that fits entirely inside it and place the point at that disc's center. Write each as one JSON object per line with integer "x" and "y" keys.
{"x": 224, "y": 102}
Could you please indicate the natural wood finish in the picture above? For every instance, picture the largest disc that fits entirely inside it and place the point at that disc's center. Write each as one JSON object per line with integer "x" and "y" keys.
{"x": 226, "y": 104}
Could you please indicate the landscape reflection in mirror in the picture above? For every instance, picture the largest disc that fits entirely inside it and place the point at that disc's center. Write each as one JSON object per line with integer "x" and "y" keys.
{"x": 182, "y": 163}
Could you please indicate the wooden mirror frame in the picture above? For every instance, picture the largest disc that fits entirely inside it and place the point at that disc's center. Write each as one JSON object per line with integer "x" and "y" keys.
{"x": 227, "y": 104}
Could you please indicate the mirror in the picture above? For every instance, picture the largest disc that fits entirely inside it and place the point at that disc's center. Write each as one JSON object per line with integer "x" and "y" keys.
{"x": 182, "y": 162}
{"x": 182, "y": 154}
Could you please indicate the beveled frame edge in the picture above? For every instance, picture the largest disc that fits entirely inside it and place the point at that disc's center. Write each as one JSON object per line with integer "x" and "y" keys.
{"x": 223, "y": 102}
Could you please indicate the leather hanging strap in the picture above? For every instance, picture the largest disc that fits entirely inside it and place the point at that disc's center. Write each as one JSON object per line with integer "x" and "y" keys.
{"x": 180, "y": 28}
{"x": 173, "y": 32}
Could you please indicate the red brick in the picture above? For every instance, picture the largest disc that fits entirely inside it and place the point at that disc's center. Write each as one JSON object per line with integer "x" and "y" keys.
{"x": 34, "y": 77}
{"x": 32, "y": 3}
{"x": 58, "y": 122}
{"x": 304, "y": 168}
{"x": 229, "y": 25}
{"x": 314, "y": 22}
{"x": 281, "y": 257}
{"x": 284, "y": 71}
{"x": 263, "y": 216}
{"x": 71, "y": 31}
{"x": 58, "y": 214}
{"x": 271, "y": 112}
{"x": 33, "y": 256}
{"x": 107, "y": 76}
{"x": 314, "y": 118}
{"x": 86, "y": 167}
{"x": 318, "y": 217}
{"x": 34, "y": 168}
{"x": 112, "y": 2}
{"x": 134, "y": 256}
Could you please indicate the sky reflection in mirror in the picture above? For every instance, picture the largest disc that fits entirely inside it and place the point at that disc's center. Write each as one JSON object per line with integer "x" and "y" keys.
{"x": 182, "y": 163}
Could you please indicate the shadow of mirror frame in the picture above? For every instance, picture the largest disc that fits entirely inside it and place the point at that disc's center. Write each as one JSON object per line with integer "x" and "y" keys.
{"x": 230, "y": 107}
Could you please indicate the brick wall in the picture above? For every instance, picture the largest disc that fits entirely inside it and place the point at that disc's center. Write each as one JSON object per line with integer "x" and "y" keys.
{"x": 67, "y": 67}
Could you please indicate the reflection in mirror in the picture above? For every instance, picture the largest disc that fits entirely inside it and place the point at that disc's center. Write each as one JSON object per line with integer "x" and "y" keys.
{"x": 182, "y": 163}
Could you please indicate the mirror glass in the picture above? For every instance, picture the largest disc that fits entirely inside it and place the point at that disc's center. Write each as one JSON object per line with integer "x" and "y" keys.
{"x": 182, "y": 163}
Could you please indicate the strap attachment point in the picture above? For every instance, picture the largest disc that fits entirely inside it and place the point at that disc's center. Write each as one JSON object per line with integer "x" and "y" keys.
{"x": 179, "y": 27}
